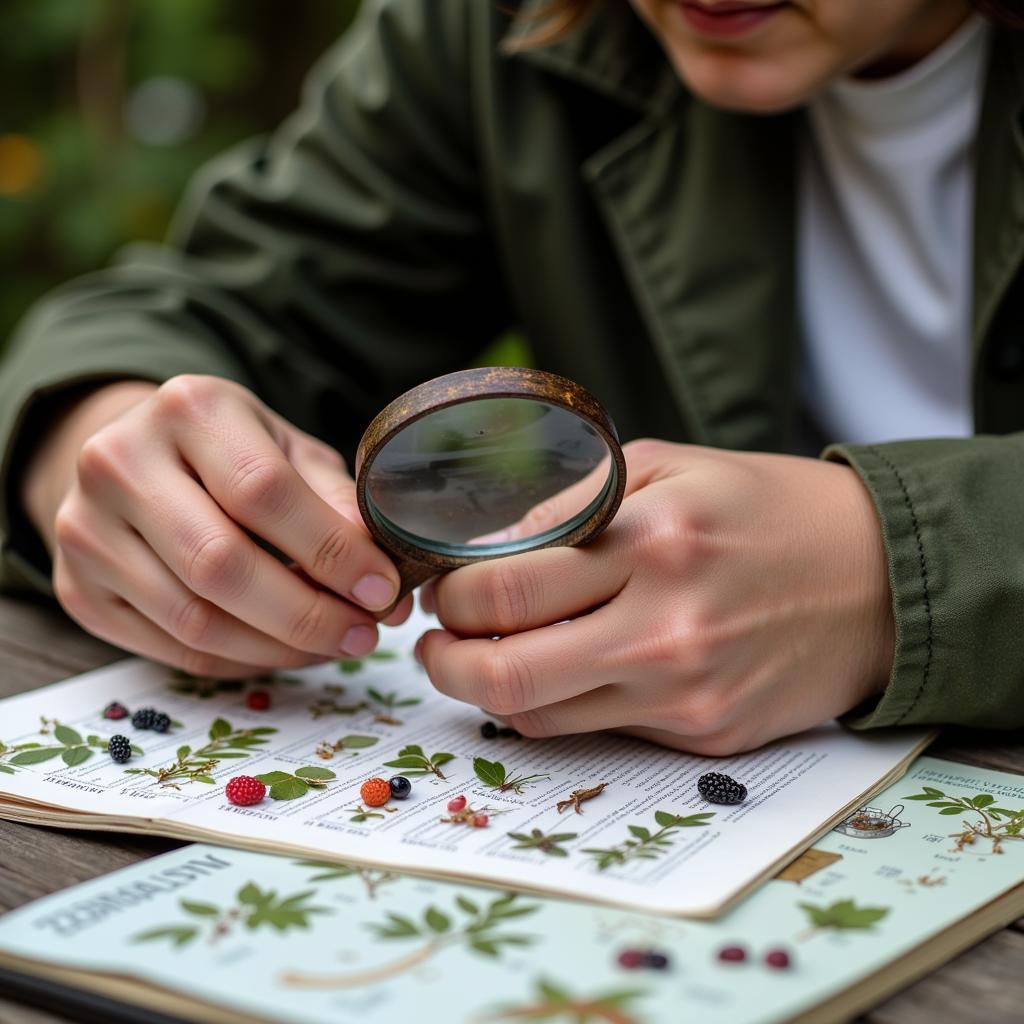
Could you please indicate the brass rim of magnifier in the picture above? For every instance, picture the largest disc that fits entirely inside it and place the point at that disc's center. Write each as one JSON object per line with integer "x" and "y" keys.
{"x": 471, "y": 386}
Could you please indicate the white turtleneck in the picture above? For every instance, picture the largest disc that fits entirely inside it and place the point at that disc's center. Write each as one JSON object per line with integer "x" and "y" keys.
{"x": 884, "y": 248}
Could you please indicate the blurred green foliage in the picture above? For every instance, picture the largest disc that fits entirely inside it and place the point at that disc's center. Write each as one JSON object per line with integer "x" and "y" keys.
{"x": 76, "y": 178}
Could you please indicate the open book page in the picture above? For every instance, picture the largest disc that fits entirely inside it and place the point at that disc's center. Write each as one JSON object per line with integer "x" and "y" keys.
{"x": 275, "y": 938}
{"x": 646, "y": 840}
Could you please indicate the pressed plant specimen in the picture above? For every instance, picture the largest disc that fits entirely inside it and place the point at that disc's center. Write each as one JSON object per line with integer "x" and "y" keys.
{"x": 414, "y": 762}
{"x": 70, "y": 747}
{"x": 354, "y": 742}
{"x": 289, "y": 786}
{"x": 495, "y": 775}
{"x": 481, "y": 930}
{"x": 537, "y": 840}
{"x": 330, "y": 704}
{"x": 553, "y": 1002}
{"x": 578, "y": 796}
{"x": 352, "y": 665}
{"x": 371, "y": 878}
{"x": 206, "y": 687}
{"x": 645, "y": 844}
{"x": 843, "y": 915}
{"x": 982, "y": 818}
{"x": 387, "y": 702}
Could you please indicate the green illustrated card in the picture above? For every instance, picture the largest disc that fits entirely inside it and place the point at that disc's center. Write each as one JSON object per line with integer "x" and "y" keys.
{"x": 933, "y": 863}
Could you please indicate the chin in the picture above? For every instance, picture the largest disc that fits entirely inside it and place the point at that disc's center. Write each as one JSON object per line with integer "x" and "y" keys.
{"x": 742, "y": 84}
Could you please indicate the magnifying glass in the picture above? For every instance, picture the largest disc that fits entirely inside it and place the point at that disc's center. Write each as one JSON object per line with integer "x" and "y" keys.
{"x": 460, "y": 469}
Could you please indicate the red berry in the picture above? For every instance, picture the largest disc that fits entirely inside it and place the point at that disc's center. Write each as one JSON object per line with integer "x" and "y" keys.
{"x": 456, "y": 805}
{"x": 244, "y": 790}
{"x": 631, "y": 959}
{"x": 732, "y": 954}
{"x": 115, "y": 710}
{"x": 777, "y": 958}
{"x": 479, "y": 820}
{"x": 258, "y": 700}
{"x": 375, "y": 792}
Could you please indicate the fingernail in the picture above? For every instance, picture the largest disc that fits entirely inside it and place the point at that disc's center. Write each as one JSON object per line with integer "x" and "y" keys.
{"x": 359, "y": 641}
{"x": 417, "y": 651}
{"x": 374, "y": 592}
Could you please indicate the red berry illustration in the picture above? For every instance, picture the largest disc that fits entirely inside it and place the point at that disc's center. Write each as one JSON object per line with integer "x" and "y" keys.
{"x": 480, "y": 820}
{"x": 630, "y": 959}
{"x": 258, "y": 700}
{"x": 375, "y": 792}
{"x": 732, "y": 954}
{"x": 244, "y": 790}
{"x": 777, "y": 958}
{"x": 456, "y": 805}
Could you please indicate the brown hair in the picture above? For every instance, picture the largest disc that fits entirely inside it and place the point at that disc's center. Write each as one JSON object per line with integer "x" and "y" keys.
{"x": 559, "y": 17}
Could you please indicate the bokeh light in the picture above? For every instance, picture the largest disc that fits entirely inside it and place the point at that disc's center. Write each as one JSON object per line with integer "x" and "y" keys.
{"x": 21, "y": 165}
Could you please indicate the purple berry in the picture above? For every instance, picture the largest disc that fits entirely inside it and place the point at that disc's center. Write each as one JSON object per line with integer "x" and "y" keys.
{"x": 732, "y": 954}
{"x": 657, "y": 961}
{"x": 777, "y": 958}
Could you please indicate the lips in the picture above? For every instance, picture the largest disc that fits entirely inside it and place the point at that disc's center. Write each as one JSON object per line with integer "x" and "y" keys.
{"x": 728, "y": 18}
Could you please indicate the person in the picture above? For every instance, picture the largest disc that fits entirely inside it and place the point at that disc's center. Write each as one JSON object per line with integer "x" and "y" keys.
{"x": 757, "y": 231}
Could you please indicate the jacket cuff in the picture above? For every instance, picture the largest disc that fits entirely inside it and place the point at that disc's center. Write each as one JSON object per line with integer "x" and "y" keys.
{"x": 898, "y": 502}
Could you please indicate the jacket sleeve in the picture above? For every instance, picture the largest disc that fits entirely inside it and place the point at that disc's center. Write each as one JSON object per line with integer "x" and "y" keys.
{"x": 952, "y": 514}
{"x": 328, "y": 267}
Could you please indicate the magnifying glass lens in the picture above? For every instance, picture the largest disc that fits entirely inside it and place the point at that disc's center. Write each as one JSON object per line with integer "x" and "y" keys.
{"x": 463, "y": 480}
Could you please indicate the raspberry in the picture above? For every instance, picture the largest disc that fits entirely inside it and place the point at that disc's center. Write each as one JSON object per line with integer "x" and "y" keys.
{"x": 630, "y": 959}
{"x": 115, "y": 710}
{"x": 479, "y": 820}
{"x": 258, "y": 700}
{"x": 732, "y": 954}
{"x": 244, "y": 790}
{"x": 161, "y": 722}
{"x": 720, "y": 789}
{"x": 375, "y": 792}
{"x": 144, "y": 718}
{"x": 119, "y": 748}
{"x": 456, "y": 805}
{"x": 401, "y": 787}
{"x": 656, "y": 960}
{"x": 488, "y": 730}
{"x": 777, "y": 958}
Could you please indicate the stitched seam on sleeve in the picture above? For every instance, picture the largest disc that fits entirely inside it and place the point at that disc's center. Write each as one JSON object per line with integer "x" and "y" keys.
{"x": 924, "y": 580}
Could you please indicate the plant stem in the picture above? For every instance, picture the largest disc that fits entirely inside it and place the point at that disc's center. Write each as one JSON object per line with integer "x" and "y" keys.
{"x": 370, "y": 976}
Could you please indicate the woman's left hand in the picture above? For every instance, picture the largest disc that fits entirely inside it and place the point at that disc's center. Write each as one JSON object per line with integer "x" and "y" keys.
{"x": 735, "y": 598}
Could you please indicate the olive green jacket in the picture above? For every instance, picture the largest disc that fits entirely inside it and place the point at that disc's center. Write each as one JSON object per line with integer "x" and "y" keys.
{"x": 435, "y": 189}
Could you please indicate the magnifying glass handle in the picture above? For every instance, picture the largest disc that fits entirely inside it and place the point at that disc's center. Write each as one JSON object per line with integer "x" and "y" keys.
{"x": 410, "y": 575}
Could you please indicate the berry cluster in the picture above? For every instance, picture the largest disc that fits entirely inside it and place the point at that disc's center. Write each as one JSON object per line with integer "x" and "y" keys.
{"x": 462, "y": 814}
{"x": 150, "y": 718}
{"x": 245, "y": 791}
{"x": 119, "y": 748}
{"x": 778, "y": 959}
{"x": 376, "y": 792}
{"x": 632, "y": 959}
{"x": 491, "y": 731}
{"x": 721, "y": 789}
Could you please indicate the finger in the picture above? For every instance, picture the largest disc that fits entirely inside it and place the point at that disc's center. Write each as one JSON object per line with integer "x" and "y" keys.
{"x": 503, "y": 596}
{"x": 607, "y": 707}
{"x": 325, "y": 471}
{"x": 110, "y": 618}
{"x": 401, "y": 612}
{"x": 215, "y": 559}
{"x": 120, "y": 561}
{"x": 250, "y": 477}
{"x": 521, "y": 672}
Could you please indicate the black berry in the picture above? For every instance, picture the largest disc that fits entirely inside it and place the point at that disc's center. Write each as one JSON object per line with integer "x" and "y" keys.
{"x": 508, "y": 733}
{"x": 656, "y": 960}
{"x": 144, "y": 718}
{"x": 119, "y": 748}
{"x": 161, "y": 722}
{"x": 721, "y": 789}
{"x": 489, "y": 730}
{"x": 115, "y": 710}
{"x": 401, "y": 787}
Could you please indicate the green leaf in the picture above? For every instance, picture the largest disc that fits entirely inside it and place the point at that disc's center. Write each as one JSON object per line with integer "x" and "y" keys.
{"x": 7, "y": 770}
{"x": 491, "y": 773}
{"x": 204, "y": 778}
{"x": 664, "y": 819}
{"x": 442, "y": 758}
{"x": 932, "y": 792}
{"x": 75, "y": 755}
{"x": 376, "y": 695}
{"x": 412, "y": 750}
{"x": 922, "y": 796}
{"x": 952, "y": 810}
{"x": 467, "y": 905}
{"x": 36, "y": 756}
{"x": 552, "y": 993}
{"x": 485, "y": 947}
{"x": 983, "y": 800}
{"x": 357, "y": 742}
{"x": 250, "y": 893}
{"x": 202, "y": 909}
{"x": 315, "y": 773}
{"x": 179, "y": 936}
{"x": 66, "y": 735}
{"x": 401, "y": 925}
{"x": 269, "y": 778}
{"x": 183, "y": 752}
{"x": 219, "y": 729}
{"x": 436, "y": 921}
{"x": 290, "y": 790}
{"x": 383, "y": 655}
{"x": 408, "y": 702}
{"x": 407, "y": 762}
{"x": 350, "y": 665}
{"x": 640, "y": 832}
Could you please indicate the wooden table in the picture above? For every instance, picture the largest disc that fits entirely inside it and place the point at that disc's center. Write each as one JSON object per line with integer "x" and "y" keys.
{"x": 38, "y": 645}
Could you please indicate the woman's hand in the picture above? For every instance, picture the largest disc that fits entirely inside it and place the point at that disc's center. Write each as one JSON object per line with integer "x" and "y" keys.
{"x": 735, "y": 598}
{"x": 148, "y": 498}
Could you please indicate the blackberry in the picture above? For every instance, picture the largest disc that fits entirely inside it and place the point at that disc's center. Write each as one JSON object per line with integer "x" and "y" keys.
{"x": 508, "y": 733}
{"x": 401, "y": 787}
{"x": 144, "y": 718}
{"x": 658, "y": 961}
{"x": 161, "y": 722}
{"x": 119, "y": 748}
{"x": 721, "y": 789}
{"x": 115, "y": 710}
{"x": 489, "y": 730}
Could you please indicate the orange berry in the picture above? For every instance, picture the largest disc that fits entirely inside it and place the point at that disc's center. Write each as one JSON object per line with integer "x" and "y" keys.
{"x": 375, "y": 792}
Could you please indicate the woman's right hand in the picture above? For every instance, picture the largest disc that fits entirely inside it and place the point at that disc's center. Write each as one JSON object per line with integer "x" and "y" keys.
{"x": 146, "y": 496}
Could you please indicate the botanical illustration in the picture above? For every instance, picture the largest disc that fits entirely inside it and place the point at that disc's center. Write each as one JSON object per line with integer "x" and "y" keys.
{"x": 190, "y": 765}
{"x": 414, "y": 762}
{"x": 537, "y": 840}
{"x": 841, "y": 916}
{"x": 554, "y": 1003}
{"x": 332, "y": 704}
{"x": 360, "y": 813}
{"x": 385, "y": 704}
{"x": 354, "y": 743}
{"x": 578, "y": 796}
{"x": 206, "y": 687}
{"x": 288, "y": 786}
{"x": 495, "y": 775}
{"x": 328, "y": 871}
{"x": 480, "y": 930}
{"x": 982, "y": 819}
{"x": 70, "y": 747}
{"x": 382, "y": 704}
{"x": 351, "y": 665}
{"x": 254, "y": 908}
{"x": 645, "y": 844}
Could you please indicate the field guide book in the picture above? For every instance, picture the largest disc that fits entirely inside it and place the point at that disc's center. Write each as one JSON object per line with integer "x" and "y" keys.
{"x": 600, "y": 817}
